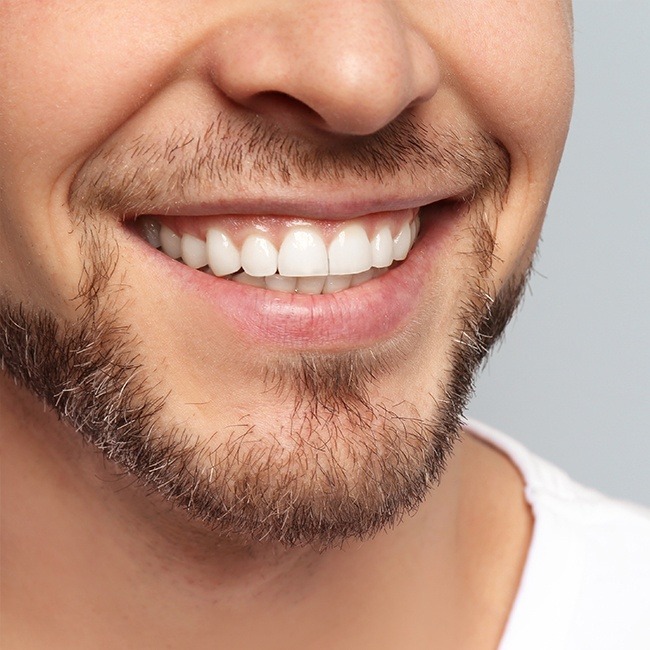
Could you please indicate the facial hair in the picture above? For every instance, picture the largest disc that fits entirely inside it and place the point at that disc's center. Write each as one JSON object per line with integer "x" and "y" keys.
{"x": 354, "y": 464}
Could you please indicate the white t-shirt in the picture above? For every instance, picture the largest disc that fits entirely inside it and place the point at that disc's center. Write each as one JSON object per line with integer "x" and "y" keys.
{"x": 586, "y": 583}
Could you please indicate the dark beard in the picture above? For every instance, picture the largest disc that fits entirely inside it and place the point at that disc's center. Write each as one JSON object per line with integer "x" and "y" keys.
{"x": 326, "y": 486}
{"x": 348, "y": 464}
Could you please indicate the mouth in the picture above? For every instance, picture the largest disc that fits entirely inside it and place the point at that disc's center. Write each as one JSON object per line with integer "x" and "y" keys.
{"x": 287, "y": 255}
{"x": 299, "y": 282}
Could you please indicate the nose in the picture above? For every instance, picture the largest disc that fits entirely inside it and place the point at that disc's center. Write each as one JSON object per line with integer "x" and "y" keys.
{"x": 344, "y": 66}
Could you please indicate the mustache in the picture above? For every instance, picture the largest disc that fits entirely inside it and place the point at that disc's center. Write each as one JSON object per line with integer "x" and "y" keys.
{"x": 233, "y": 154}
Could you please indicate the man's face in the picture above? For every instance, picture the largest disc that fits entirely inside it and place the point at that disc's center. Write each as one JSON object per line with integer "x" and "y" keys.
{"x": 299, "y": 140}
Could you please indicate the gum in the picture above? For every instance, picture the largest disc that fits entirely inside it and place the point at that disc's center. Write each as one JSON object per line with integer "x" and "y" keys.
{"x": 275, "y": 228}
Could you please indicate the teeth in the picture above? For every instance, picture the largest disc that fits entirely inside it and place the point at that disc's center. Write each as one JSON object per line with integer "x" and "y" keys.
{"x": 170, "y": 242}
{"x": 223, "y": 255}
{"x": 335, "y": 283}
{"x": 350, "y": 253}
{"x": 244, "y": 278}
{"x": 313, "y": 285}
{"x": 150, "y": 228}
{"x": 360, "y": 278}
{"x": 304, "y": 264}
{"x": 259, "y": 257}
{"x": 382, "y": 248}
{"x": 402, "y": 242}
{"x": 281, "y": 283}
{"x": 194, "y": 251}
{"x": 303, "y": 253}
{"x": 415, "y": 228}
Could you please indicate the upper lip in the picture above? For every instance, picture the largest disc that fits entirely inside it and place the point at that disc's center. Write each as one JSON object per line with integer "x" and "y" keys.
{"x": 331, "y": 205}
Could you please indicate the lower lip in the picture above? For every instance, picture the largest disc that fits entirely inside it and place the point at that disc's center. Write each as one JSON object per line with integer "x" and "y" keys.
{"x": 369, "y": 313}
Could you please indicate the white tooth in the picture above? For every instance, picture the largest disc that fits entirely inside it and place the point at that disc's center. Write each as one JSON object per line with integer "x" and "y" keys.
{"x": 170, "y": 242}
{"x": 244, "y": 278}
{"x": 335, "y": 283}
{"x": 223, "y": 255}
{"x": 259, "y": 257}
{"x": 350, "y": 251}
{"x": 303, "y": 254}
{"x": 415, "y": 229}
{"x": 194, "y": 251}
{"x": 360, "y": 278}
{"x": 313, "y": 285}
{"x": 150, "y": 228}
{"x": 402, "y": 242}
{"x": 382, "y": 248}
{"x": 280, "y": 283}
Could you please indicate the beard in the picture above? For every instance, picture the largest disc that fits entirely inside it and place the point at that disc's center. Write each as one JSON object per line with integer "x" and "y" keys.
{"x": 345, "y": 464}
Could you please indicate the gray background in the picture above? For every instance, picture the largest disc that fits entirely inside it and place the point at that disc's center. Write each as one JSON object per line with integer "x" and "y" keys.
{"x": 572, "y": 379}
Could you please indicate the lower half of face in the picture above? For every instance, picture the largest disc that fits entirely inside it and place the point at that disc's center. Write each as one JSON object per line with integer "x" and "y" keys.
{"x": 275, "y": 330}
{"x": 270, "y": 414}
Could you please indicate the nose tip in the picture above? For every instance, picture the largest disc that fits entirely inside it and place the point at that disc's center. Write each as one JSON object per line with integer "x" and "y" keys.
{"x": 345, "y": 67}
{"x": 367, "y": 86}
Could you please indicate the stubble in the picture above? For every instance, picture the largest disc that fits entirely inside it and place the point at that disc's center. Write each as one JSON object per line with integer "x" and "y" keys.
{"x": 347, "y": 463}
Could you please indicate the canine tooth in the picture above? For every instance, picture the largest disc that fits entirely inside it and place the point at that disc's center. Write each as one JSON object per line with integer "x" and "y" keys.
{"x": 170, "y": 242}
{"x": 402, "y": 242}
{"x": 223, "y": 255}
{"x": 303, "y": 254}
{"x": 360, "y": 278}
{"x": 382, "y": 248}
{"x": 335, "y": 283}
{"x": 245, "y": 278}
{"x": 281, "y": 283}
{"x": 312, "y": 285}
{"x": 349, "y": 252}
{"x": 193, "y": 251}
{"x": 150, "y": 228}
{"x": 259, "y": 257}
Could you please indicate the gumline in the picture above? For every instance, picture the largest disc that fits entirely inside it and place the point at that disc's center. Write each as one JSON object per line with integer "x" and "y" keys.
{"x": 276, "y": 227}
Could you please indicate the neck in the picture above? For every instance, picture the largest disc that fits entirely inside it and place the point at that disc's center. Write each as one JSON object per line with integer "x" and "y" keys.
{"x": 89, "y": 550}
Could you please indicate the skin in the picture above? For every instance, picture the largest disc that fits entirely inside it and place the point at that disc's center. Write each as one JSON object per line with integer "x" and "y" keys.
{"x": 96, "y": 560}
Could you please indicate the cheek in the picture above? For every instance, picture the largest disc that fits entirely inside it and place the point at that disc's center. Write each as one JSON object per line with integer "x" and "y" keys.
{"x": 514, "y": 67}
{"x": 70, "y": 77}
{"x": 513, "y": 70}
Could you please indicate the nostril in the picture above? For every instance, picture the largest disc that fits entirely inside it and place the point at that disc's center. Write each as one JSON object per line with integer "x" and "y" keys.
{"x": 282, "y": 105}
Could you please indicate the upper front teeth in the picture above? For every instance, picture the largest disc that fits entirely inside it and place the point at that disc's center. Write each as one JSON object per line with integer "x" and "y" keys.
{"x": 302, "y": 260}
{"x": 302, "y": 254}
{"x": 259, "y": 257}
{"x": 350, "y": 251}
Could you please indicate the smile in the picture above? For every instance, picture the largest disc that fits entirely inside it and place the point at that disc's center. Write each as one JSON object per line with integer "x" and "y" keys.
{"x": 289, "y": 256}
{"x": 307, "y": 283}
